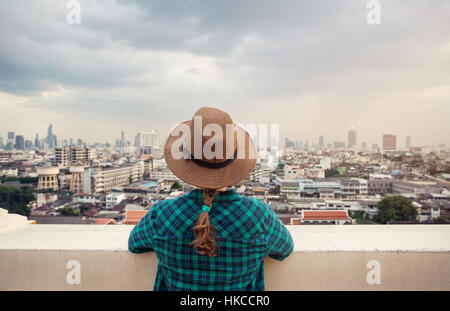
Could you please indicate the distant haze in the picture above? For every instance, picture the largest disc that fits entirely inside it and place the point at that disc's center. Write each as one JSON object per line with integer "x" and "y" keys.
{"x": 313, "y": 67}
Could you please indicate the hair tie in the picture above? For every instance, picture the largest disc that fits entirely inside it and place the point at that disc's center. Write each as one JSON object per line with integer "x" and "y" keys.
{"x": 206, "y": 208}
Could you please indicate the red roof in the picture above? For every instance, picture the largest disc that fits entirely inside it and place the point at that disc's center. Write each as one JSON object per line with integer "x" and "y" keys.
{"x": 325, "y": 215}
{"x": 104, "y": 221}
{"x": 133, "y": 217}
{"x": 295, "y": 221}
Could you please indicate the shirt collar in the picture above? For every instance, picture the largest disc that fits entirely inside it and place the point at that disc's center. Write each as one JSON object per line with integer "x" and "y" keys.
{"x": 229, "y": 195}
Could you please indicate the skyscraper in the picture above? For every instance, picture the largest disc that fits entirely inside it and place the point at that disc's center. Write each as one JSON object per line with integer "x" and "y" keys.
{"x": 11, "y": 137}
{"x": 146, "y": 139}
{"x": 122, "y": 139}
{"x": 375, "y": 147}
{"x": 20, "y": 142}
{"x": 49, "y": 138}
{"x": 28, "y": 144}
{"x": 321, "y": 142}
{"x": 352, "y": 138}
{"x": 10, "y": 141}
{"x": 389, "y": 142}
{"x": 306, "y": 146}
{"x": 36, "y": 141}
{"x": 408, "y": 142}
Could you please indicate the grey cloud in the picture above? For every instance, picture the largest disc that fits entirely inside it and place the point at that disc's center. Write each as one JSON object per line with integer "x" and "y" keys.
{"x": 133, "y": 58}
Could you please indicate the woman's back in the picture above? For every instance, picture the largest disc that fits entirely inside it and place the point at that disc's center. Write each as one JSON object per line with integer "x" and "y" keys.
{"x": 246, "y": 231}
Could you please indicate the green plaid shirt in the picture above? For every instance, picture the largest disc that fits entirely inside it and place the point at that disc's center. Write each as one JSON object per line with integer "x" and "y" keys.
{"x": 247, "y": 230}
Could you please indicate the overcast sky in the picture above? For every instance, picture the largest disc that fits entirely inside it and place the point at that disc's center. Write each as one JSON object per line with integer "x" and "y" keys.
{"x": 313, "y": 67}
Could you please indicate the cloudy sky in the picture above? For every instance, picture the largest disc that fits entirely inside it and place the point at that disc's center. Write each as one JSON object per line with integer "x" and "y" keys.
{"x": 313, "y": 67}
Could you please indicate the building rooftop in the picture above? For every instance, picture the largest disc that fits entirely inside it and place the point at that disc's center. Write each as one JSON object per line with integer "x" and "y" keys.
{"x": 133, "y": 217}
{"x": 410, "y": 257}
{"x": 325, "y": 215}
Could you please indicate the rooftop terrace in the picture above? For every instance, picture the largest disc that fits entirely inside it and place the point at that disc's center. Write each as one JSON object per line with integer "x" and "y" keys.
{"x": 353, "y": 257}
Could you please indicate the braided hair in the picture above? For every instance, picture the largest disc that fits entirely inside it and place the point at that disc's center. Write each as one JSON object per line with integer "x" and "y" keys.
{"x": 204, "y": 242}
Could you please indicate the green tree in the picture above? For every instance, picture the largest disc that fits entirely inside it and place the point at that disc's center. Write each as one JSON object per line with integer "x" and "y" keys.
{"x": 395, "y": 208}
{"x": 332, "y": 173}
{"x": 442, "y": 220}
{"x": 16, "y": 200}
{"x": 68, "y": 211}
{"x": 22, "y": 180}
{"x": 360, "y": 217}
{"x": 176, "y": 186}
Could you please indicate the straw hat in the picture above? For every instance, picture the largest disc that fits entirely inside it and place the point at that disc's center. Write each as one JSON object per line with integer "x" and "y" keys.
{"x": 210, "y": 151}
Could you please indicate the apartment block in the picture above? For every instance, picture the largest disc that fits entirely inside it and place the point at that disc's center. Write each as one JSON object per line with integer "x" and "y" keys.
{"x": 106, "y": 179}
{"x": 67, "y": 156}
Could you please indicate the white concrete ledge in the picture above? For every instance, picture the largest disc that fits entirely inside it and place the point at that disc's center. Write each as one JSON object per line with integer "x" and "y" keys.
{"x": 411, "y": 257}
{"x": 11, "y": 221}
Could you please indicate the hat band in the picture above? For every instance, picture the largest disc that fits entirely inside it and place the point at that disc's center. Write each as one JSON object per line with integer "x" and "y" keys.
{"x": 211, "y": 165}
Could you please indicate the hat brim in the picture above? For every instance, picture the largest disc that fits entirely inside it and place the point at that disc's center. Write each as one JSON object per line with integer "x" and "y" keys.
{"x": 209, "y": 178}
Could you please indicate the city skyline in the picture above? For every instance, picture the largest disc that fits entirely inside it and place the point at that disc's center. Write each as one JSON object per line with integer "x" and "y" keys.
{"x": 352, "y": 141}
{"x": 131, "y": 64}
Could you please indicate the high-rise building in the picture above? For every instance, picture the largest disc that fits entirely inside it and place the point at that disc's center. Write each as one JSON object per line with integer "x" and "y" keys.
{"x": 375, "y": 147}
{"x": 68, "y": 156}
{"x": 10, "y": 141}
{"x": 49, "y": 138}
{"x": 77, "y": 179}
{"x": 389, "y": 142}
{"x": 87, "y": 187}
{"x": 137, "y": 140}
{"x": 339, "y": 145}
{"x": 20, "y": 142}
{"x": 321, "y": 142}
{"x": 36, "y": 141}
{"x": 122, "y": 139}
{"x": 408, "y": 142}
{"x": 107, "y": 178}
{"x": 146, "y": 139}
{"x": 351, "y": 138}
{"x": 288, "y": 143}
{"x": 28, "y": 144}
{"x": 363, "y": 145}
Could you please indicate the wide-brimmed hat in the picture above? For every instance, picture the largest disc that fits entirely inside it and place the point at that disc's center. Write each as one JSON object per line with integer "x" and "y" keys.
{"x": 210, "y": 151}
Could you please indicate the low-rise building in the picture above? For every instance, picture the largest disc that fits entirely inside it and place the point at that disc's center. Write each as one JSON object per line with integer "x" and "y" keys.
{"x": 9, "y": 171}
{"x": 163, "y": 174}
{"x": 352, "y": 187}
{"x": 48, "y": 178}
{"x": 87, "y": 198}
{"x": 114, "y": 198}
{"x": 335, "y": 217}
{"x": 380, "y": 186}
{"x": 133, "y": 217}
{"x": 417, "y": 187}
